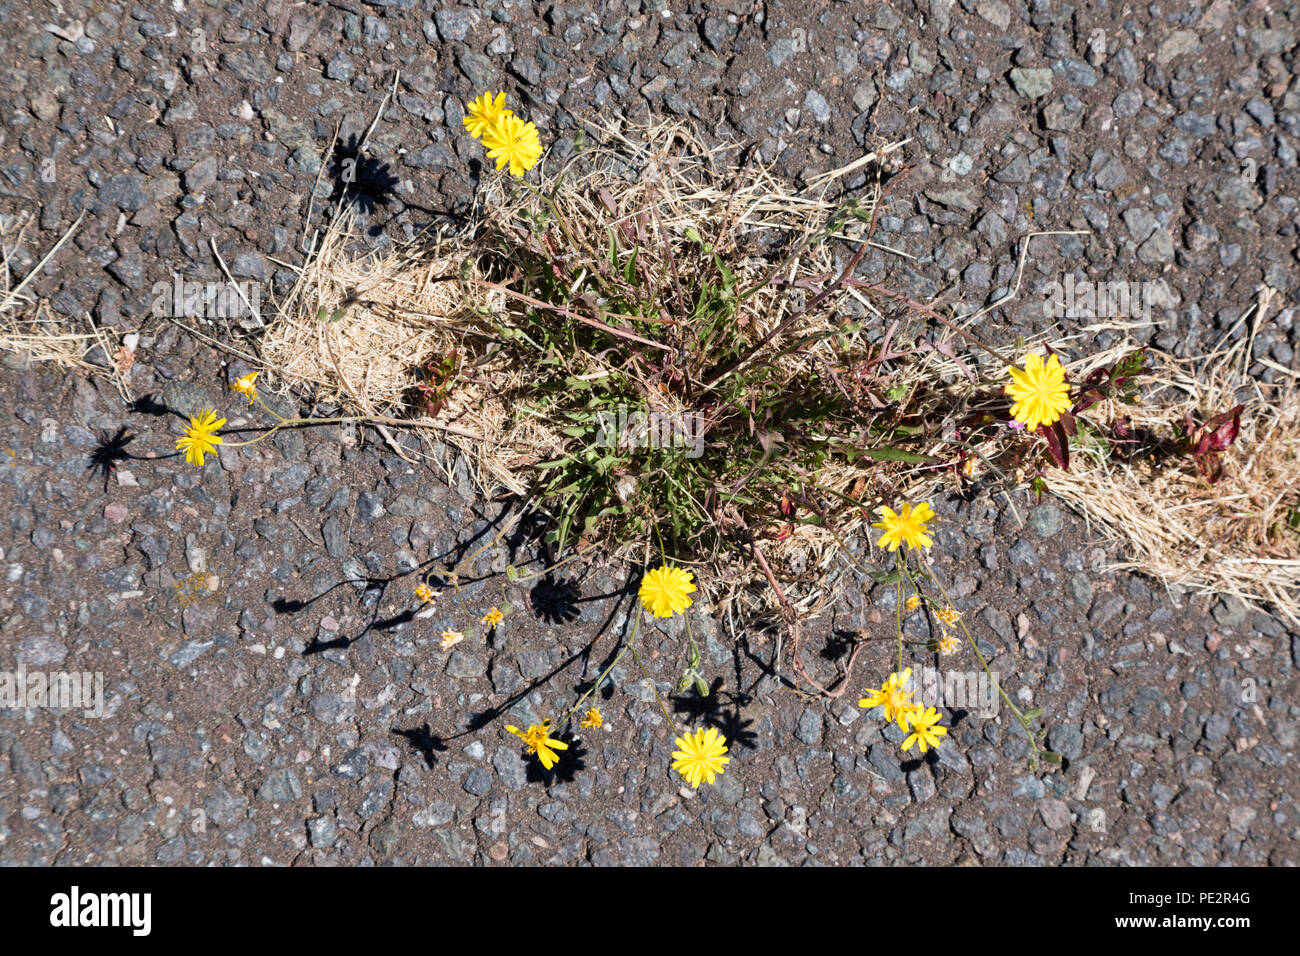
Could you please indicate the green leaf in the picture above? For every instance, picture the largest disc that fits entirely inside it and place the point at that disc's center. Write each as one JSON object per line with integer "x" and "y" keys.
{"x": 1051, "y": 756}
{"x": 896, "y": 454}
{"x": 728, "y": 279}
{"x": 701, "y": 686}
{"x": 567, "y": 489}
{"x": 563, "y": 535}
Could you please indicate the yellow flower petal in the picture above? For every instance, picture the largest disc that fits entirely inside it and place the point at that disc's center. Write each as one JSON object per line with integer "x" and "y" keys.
{"x": 1039, "y": 393}
{"x": 484, "y": 113}
{"x": 664, "y": 591}
{"x": 699, "y": 757}
{"x": 514, "y": 143}
{"x": 908, "y": 526}
{"x": 200, "y": 437}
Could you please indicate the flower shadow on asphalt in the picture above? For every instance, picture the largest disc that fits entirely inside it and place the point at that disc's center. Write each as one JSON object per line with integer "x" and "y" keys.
{"x": 570, "y": 760}
{"x": 428, "y": 744}
{"x": 564, "y": 770}
{"x": 110, "y": 450}
{"x": 719, "y": 709}
{"x": 555, "y": 602}
{"x": 148, "y": 405}
{"x": 359, "y": 179}
{"x": 481, "y": 719}
{"x": 839, "y": 644}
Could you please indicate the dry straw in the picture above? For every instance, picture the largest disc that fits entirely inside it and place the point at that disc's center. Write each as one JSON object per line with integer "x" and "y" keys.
{"x": 27, "y": 327}
{"x": 1237, "y": 536}
{"x": 387, "y": 316}
{"x": 360, "y": 330}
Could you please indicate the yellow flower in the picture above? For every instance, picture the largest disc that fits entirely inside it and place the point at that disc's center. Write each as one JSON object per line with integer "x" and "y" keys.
{"x": 511, "y": 141}
{"x": 424, "y": 593}
{"x": 664, "y": 591}
{"x": 200, "y": 438}
{"x": 912, "y": 603}
{"x": 894, "y": 696}
{"x": 1039, "y": 390}
{"x": 245, "y": 386}
{"x": 484, "y": 113}
{"x": 450, "y": 639}
{"x": 592, "y": 719}
{"x": 924, "y": 731}
{"x": 699, "y": 758}
{"x": 536, "y": 738}
{"x": 493, "y": 617}
{"x": 907, "y": 527}
{"x": 948, "y": 644}
{"x": 948, "y": 615}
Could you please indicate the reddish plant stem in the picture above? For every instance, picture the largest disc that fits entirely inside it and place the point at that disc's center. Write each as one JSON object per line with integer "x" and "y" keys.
{"x": 796, "y": 639}
{"x": 921, "y": 307}
{"x": 594, "y": 323}
{"x": 817, "y": 300}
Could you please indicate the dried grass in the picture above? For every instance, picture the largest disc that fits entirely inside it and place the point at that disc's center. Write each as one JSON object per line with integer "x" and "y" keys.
{"x": 27, "y": 328}
{"x": 1229, "y": 537}
{"x": 419, "y": 303}
{"x": 37, "y": 337}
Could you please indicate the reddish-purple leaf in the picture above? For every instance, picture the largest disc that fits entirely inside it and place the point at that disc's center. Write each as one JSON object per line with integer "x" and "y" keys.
{"x": 945, "y": 348}
{"x": 1207, "y": 442}
{"x": 1226, "y": 428}
{"x": 1058, "y": 446}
